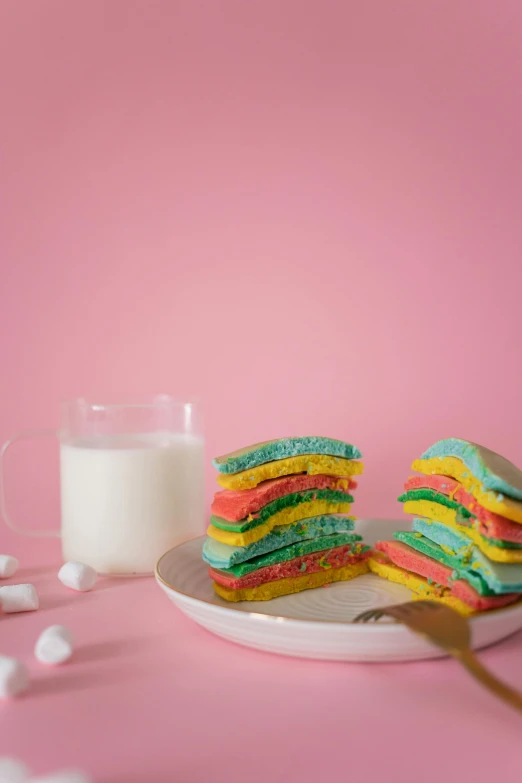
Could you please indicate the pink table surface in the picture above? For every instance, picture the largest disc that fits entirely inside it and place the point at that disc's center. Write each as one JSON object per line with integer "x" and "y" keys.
{"x": 149, "y": 697}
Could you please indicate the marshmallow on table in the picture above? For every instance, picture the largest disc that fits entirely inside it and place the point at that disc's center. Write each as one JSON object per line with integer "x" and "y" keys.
{"x": 18, "y": 598}
{"x": 13, "y": 677}
{"x": 13, "y": 771}
{"x": 54, "y": 645}
{"x": 8, "y": 565}
{"x": 71, "y": 776}
{"x": 77, "y": 576}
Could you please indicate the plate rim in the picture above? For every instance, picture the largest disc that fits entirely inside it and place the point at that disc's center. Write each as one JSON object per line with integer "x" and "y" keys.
{"x": 261, "y": 617}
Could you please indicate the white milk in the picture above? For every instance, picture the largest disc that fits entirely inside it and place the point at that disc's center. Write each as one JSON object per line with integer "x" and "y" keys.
{"x": 127, "y": 499}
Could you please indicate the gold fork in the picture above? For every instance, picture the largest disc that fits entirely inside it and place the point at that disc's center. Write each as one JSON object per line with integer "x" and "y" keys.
{"x": 449, "y": 630}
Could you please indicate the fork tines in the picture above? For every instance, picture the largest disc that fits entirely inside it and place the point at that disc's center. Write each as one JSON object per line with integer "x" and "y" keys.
{"x": 366, "y": 617}
{"x": 396, "y": 610}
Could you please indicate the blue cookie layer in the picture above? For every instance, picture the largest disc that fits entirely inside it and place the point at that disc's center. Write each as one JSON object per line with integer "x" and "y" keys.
{"x": 491, "y": 469}
{"x": 462, "y": 546}
{"x": 259, "y": 453}
{"x": 220, "y": 555}
{"x": 499, "y": 577}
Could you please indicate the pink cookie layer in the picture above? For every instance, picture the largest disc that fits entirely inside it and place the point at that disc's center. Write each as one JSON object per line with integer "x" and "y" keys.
{"x": 234, "y": 505}
{"x": 491, "y": 525}
{"x": 307, "y": 564}
{"x": 405, "y": 557}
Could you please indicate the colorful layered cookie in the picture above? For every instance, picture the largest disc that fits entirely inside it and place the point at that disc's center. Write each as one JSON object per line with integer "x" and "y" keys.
{"x": 283, "y": 448}
{"x": 466, "y": 544}
{"x": 313, "y": 464}
{"x": 494, "y": 472}
{"x": 429, "y": 579}
{"x": 491, "y": 479}
{"x": 246, "y": 468}
{"x": 294, "y": 584}
{"x": 440, "y": 508}
{"x": 281, "y": 525}
{"x": 422, "y": 589}
{"x": 235, "y": 505}
{"x": 219, "y": 555}
{"x": 455, "y": 550}
{"x": 282, "y": 511}
{"x": 485, "y": 522}
{"x": 280, "y": 572}
{"x": 278, "y": 562}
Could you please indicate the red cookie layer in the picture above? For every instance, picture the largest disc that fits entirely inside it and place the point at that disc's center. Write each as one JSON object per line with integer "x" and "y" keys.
{"x": 405, "y": 557}
{"x": 490, "y": 525}
{"x": 307, "y": 564}
{"x": 234, "y": 505}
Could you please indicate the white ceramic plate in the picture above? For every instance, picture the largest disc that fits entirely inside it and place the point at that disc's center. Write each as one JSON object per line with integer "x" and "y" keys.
{"x": 315, "y": 623}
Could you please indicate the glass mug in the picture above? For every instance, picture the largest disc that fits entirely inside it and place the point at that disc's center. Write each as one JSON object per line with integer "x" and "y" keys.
{"x": 131, "y": 481}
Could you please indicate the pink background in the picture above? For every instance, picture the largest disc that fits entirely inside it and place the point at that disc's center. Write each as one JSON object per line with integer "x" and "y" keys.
{"x": 309, "y": 212}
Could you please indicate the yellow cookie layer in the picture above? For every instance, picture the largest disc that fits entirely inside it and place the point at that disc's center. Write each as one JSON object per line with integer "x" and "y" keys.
{"x": 313, "y": 464}
{"x": 455, "y": 468}
{"x": 286, "y": 516}
{"x": 420, "y": 587}
{"x": 448, "y": 516}
{"x": 292, "y": 584}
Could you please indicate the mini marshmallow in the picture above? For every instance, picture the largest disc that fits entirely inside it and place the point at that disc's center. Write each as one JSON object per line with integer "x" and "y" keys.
{"x": 18, "y": 598}
{"x": 71, "y": 776}
{"x": 54, "y": 645}
{"x": 8, "y": 565}
{"x": 13, "y": 677}
{"x": 77, "y": 576}
{"x": 13, "y": 771}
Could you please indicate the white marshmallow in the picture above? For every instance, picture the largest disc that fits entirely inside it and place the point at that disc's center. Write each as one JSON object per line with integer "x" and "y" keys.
{"x": 54, "y": 645}
{"x": 77, "y": 576}
{"x": 13, "y": 677}
{"x": 13, "y": 771}
{"x": 71, "y": 776}
{"x": 18, "y": 598}
{"x": 8, "y": 565}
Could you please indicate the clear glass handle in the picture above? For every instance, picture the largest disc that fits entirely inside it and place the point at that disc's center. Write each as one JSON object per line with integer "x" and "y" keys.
{"x": 29, "y": 435}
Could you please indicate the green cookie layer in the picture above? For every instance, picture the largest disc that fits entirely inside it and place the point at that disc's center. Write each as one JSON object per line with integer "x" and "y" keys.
{"x": 465, "y": 517}
{"x": 435, "y": 497}
{"x": 293, "y": 551}
{"x": 287, "y": 501}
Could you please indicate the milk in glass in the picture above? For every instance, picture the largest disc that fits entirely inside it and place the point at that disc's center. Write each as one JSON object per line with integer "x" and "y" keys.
{"x": 127, "y": 499}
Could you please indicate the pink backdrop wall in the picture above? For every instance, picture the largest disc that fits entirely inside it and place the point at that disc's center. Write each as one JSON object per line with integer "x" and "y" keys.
{"x": 307, "y": 211}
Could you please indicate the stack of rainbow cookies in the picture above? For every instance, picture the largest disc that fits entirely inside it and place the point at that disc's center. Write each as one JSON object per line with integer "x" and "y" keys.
{"x": 465, "y": 548}
{"x": 280, "y": 524}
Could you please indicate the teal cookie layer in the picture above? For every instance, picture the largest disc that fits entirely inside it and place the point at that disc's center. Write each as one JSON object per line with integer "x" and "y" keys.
{"x": 464, "y": 516}
{"x": 220, "y": 555}
{"x": 287, "y": 501}
{"x": 292, "y": 551}
{"x": 456, "y": 543}
{"x": 495, "y": 472}
{"x": 259, "y": 453}
{"x": 433, "y": 550}
{"x": 501, "y": 578}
